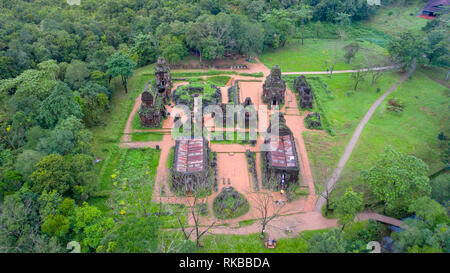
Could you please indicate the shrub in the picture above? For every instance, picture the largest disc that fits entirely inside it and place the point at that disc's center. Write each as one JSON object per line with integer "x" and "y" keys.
{"x": 395, "y": 105}
{"x": 230, "y": 204}
{"x": 202, "y": 209}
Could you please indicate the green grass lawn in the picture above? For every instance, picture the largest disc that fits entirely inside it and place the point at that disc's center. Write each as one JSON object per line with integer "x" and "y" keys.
{"x": 126, "y": 165}
{"x": 218, "y": 80}
{"x": 344, "y": 109}
{"x": 106, "y": 137}
{"x": 252, "y": 243}
{"x": 312, "y": 55}
{"x": 146, "y": 136}
{"x": 190, "y": 73}
{"x": 437, "y": 73}
{"x": 397, "y": 18}
{"x": 414, "y": 131}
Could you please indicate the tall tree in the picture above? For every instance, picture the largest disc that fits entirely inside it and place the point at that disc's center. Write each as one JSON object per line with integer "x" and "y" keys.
{"x": 303, "y": 16}
{"x": 406, "y": 48}
{"x": 121, "y": 65}
{"x": 268, "y": 209}
{"x": 134, "y": 235}
{"x": 146, "y": 48}
{"x": 76, "y": 74}
{"x": 429, "y": 210}
{"x": 348, "y": 206}
{"x": 282, "y": 22}
{"x": 398, "y": 179}
{"x": 58, "y": 106}
{"x": 194, "y": 213}
{"x": 327, "y": 242}
{"x": 90, "y": 226}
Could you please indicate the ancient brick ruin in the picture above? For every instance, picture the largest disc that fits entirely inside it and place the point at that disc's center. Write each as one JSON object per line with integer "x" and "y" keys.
{"x": 249, "y": 112}
{"x": 274, "y": 87}
{"x": 303, "y": 88}
{"x": 281, "y": 166}
{"x": 191, "y": 170}
{"x": 186, "y": 94}
{"x": 312, "y": 121}
{"x": 163, "y": 78}
{"x": 152, "y": 111}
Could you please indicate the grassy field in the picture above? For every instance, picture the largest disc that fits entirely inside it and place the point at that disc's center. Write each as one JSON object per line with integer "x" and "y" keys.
{"x": 414, "y": 131}
{"x": 344, "y": 109}
{"x": 146, "y": 136}
{"x": 403, "y": 17}
{"x": 252, "y": 243}
{"x": 437, "y": 73}
{"x": 106, "y": 137}
{"x": 312, "y": 55}
{"x": 125, "y": 165}
{"x": 218, "y": 80}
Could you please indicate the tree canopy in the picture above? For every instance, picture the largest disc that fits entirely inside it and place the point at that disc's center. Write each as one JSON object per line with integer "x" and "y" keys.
{"x": 398, "y": 179}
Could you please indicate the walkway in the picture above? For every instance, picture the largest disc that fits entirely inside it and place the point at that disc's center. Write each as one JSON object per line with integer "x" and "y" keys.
{"x": 351, "y": 145}
{"x": 381, "y": 218}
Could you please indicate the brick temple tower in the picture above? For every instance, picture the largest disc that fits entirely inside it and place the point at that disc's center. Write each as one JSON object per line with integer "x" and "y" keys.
{"x": 274, "y": 87}
{"x": 303, "y": 88}
{"x": 163, "y": 78}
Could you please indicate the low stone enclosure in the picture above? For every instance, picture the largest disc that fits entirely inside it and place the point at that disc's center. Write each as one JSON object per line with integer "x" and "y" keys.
{"x": 280, "y": 166}
{"x": 243, "y": 116}
{"x": 312, "y": 121}
{"x": 274, "y": 88}
{"x": 152, "y": 110}
{"x": 185, "y": 94}
{"x": 230, "y": 204}
{"x": 302, "y": 87}
{"x": 191, "y": 172}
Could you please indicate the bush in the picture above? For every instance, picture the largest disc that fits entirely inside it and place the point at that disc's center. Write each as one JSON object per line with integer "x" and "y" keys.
{"x": 202, "y": 209}
{"x": 395, "y": 105}
{"x": 230, "y": 204}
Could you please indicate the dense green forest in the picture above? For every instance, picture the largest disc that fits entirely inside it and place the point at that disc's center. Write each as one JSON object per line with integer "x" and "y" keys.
{"x": 57, "y": 63}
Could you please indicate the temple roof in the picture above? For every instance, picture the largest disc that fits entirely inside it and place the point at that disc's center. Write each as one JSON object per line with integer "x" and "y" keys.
{"x": 189, "y": 155}
{"x": 284, "y": 156}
